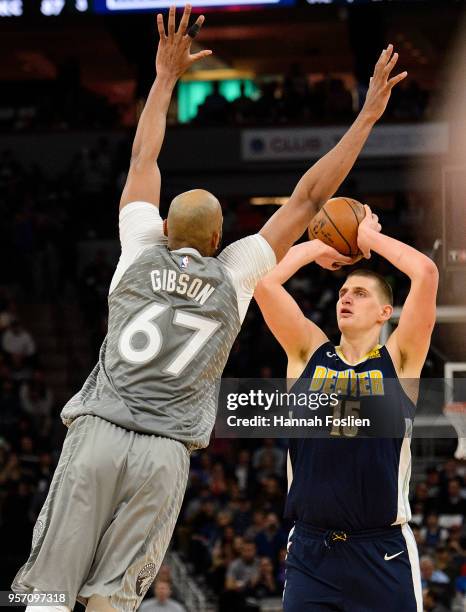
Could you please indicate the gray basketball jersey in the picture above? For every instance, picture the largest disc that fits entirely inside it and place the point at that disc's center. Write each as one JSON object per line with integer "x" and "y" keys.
{"x": 173, "y": 318}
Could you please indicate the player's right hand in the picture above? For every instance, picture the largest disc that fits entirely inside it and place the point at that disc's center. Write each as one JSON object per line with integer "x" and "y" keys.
{"x": 366, "y": 229}
{"x": 329, "y": 258}
{"x": 381, "y": 85}
{"x": 174, "y": 52}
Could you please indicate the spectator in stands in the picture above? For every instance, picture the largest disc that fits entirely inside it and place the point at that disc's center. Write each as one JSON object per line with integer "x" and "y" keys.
{"x": 270, "y": 496}
{"x": 433, "y": 481}
{"x": 429, "y": 574}
{"x": 258, "y": 522}
{"x": 36, "y": 400}
{"x": 421, "y": 502}
{"x": 241, "y": 572}
{"x": 459, "y": 602}
{"x": 431, "y": 602}
{"x": 214, "y": 110}
{"x": 242, "y": 470}
{"x": 444, "y": 561}
{"x": 432, "y": 534}
{"x": 296, "y": 94}
{"x": 448, "y": 472}
{"x": 8, "y": 312}
{"x": 241, "y": 575}
{"x": 198, "y": 496}
{"x": 28, "y": 459}
{"x": 264, "y": 585}
{"x": 10, "y": 473}
{"x": 269, "y": 450}
{"x": 242, "y": 109}
{"x": 217, "y": 481}
{"x": 454, "y": 503}
{"x": 18, "y": 344}
{"x": 271, "y": 538}
{"x": 162, "y": 601}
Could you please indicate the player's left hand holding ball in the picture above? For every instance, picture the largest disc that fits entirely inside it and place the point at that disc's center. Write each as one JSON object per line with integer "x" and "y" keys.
{"x": 368, "y": 226}
{"x": 327, "y": 257}
{"x": 174, "y": 52}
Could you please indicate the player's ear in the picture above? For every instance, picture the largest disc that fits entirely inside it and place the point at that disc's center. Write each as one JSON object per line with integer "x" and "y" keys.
{"x": 215, "y": 241}
{"x": 165, "y": 227}
{"x": 387, "y": 312}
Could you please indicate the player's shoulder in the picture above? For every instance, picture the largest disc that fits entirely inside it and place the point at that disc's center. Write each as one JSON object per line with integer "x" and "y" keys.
{"x": 252, "y": 245}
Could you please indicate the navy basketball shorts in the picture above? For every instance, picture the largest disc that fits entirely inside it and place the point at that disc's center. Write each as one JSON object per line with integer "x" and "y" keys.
{"x": 370, "y": 571}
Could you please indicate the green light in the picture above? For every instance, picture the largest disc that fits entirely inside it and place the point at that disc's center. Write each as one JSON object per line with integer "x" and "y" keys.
{"x": 192, "y": 94}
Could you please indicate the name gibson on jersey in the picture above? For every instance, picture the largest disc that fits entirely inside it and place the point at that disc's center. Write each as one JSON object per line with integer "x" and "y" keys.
{"x": 182, "y": 284}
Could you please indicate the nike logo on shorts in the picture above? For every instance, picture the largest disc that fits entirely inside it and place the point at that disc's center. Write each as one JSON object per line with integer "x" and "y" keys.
{"x": 387, "y": 558}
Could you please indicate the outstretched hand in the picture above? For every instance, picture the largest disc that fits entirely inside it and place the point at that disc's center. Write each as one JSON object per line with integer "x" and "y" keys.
{"x": 174, "y": 52}
{"x": 381, "y": 85}
{"x": 366, "y": 229}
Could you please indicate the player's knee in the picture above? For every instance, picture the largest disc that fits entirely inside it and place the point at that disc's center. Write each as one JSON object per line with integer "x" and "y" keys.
{"x": 98, "y": 603}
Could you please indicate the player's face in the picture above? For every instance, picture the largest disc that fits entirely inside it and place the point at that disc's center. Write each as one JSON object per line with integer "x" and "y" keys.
{"x": 359, "y": 306}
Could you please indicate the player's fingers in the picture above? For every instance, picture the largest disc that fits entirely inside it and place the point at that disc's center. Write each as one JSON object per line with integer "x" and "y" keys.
{"x": 344, "y": 260}
{"x": 381, "y": 62}
{"x": 171, "y": 22}
{"x": 161, "y": 27}
{"x": 184, "y": 20}
{"x": 368, "y": 212}
{"x": 391, "y": 64}
{"x": 201, "y": 55}
{"x": 396, "y": 79}
{"x": 375, "y": 217}
{"x": 194, "y": 30}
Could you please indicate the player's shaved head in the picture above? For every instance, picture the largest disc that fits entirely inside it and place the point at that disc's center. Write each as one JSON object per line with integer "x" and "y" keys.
{"x": 195, "y": 220}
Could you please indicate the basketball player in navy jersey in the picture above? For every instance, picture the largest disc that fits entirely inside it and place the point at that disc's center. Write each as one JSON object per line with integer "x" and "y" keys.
{"x": 351, "y": 548}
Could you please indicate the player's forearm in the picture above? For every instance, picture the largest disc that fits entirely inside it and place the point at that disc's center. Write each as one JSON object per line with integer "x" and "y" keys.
{"x": 324, "y": 178}
{"x": 297, "y": 257}
{"x": 408, "y": 260}
{"x": 151, "y": 127}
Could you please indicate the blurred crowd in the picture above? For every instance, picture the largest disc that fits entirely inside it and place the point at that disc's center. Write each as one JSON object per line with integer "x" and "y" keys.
{"x": 296, "y": 100}
{"x": 293, "y": 98}
{"x": 62, "y": 103}
{"x": 231, "y": 531}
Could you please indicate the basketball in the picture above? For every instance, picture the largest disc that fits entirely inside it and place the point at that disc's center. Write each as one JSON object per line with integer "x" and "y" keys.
{"x": 337, "y": 224}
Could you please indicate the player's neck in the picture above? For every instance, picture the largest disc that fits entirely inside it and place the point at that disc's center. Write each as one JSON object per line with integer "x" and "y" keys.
{"x": 355, "y": 349}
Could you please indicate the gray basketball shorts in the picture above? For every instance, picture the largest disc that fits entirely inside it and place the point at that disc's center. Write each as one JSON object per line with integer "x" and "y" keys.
{"x": 109, "y": 515}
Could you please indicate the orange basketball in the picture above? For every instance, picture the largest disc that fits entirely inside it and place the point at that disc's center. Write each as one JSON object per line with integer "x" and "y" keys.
{"x": 337, "y": 223}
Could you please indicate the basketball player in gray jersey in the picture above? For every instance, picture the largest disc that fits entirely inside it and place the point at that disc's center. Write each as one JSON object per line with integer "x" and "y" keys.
{"x": 174, "y": 312}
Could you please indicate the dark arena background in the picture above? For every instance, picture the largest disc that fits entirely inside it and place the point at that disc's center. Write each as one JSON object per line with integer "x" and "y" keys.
{"x": 285, "y": 80}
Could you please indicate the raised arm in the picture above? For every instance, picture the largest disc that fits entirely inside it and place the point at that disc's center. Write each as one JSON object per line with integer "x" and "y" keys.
{"x": 409, "y": 343}
{"x": 323, "y": 179}
{"x": 298, "y": 336}
{"x": 173, "y": 59}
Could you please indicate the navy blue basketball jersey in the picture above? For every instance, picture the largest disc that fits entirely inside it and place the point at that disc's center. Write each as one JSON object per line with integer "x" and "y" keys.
{"x": 340, "y": 479}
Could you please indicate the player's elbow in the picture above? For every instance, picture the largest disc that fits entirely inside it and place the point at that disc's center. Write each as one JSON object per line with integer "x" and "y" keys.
{"x": 262, "y": 289}
{"x": 429, "y": 272}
